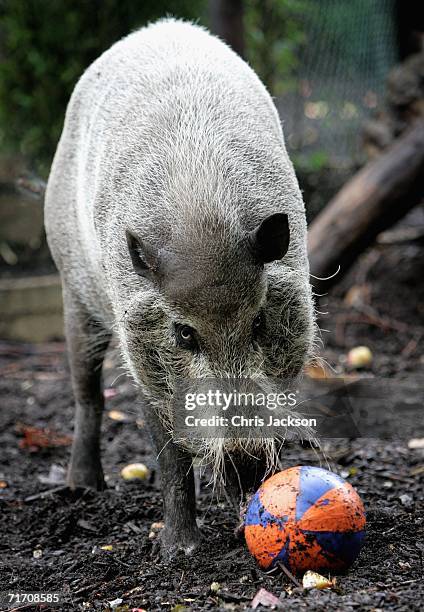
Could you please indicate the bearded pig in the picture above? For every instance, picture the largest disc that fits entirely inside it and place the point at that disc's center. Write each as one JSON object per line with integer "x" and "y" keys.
{"x": 176, "y": 221}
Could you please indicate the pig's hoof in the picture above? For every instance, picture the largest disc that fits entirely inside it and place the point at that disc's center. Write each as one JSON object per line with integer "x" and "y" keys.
{"x": 171, "y": 545}
{"x": 85, "y": 479}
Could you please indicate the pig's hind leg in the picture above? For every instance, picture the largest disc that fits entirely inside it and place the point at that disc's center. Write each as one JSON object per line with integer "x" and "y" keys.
{"x": 87, "y": 342}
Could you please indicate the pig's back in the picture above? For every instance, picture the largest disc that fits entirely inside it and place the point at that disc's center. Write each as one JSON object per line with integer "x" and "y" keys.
{"x": 150, "y": 108}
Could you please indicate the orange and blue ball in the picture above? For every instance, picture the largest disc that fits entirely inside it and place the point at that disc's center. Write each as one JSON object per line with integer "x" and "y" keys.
{"x": 306, "y": 518}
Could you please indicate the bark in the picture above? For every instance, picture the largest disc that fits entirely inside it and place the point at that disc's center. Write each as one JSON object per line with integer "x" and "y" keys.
{"x": 371, "y": 201}
{"x": 227, "y": 22}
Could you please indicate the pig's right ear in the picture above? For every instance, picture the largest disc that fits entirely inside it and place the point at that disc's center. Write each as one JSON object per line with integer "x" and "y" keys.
{"x": 144, "y": 258}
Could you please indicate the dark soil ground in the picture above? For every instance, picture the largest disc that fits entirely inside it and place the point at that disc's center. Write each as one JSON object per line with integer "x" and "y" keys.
{"x": 54, "y": 542}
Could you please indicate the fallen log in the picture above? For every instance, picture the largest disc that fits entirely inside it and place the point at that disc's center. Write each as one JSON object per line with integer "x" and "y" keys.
{"x": 375, "y": 198}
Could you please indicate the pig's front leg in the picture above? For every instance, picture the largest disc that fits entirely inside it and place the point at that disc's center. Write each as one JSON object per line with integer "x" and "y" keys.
{"x": 179, "y": 500}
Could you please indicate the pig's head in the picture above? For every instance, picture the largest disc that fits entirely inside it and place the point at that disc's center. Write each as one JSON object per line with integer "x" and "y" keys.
{"x": 218, "y": 301}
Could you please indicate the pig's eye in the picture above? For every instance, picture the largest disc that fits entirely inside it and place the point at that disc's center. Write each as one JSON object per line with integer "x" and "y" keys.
{"x": 186, "y": 337}
{"x": 258, "y": 324}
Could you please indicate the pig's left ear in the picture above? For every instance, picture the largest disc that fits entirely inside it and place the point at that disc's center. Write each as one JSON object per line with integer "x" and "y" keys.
{"x": 270, "y": 240}
{"x": 144, "y": 258}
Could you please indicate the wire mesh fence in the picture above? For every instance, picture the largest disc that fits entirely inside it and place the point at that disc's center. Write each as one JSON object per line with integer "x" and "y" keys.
{"x": 348, "y": 48}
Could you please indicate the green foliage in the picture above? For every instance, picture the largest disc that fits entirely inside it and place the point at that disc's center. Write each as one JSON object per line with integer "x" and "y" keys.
{"x": 274, "y": 39}
{"x": 314, "y": 161}
{"x": 46, "y": 45}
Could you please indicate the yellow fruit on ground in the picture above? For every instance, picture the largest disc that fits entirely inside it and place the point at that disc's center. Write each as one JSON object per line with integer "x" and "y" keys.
{"x": 359, "y": 357}
{"x": 135, "y": 471}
